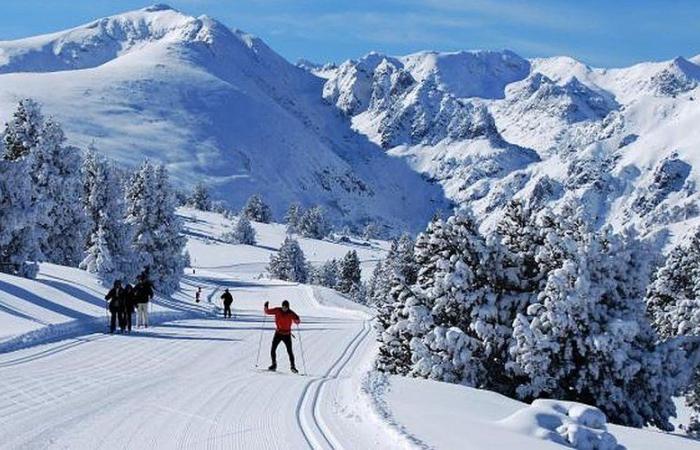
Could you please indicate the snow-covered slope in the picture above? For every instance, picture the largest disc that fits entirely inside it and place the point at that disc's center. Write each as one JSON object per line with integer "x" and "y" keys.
{"x": 215, "y": 105}
{"x": 491, "y": 126}
{"x": 452, "y": 416}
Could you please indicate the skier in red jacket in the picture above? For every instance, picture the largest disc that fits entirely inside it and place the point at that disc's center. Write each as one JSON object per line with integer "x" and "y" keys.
{"x": 284, "y": 318}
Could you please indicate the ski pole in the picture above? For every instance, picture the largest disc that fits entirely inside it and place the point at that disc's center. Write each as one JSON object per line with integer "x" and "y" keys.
{"x": 301, "y": 348}
{"x": 257, "y": 358}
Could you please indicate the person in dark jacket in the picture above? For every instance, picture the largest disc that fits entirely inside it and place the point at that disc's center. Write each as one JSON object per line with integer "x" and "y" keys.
{"x": 228, "y": 299}
{"x": 129, "y": 305}
{"x": 143, "y": 294}
{"x": 284, "y": 318}
{"x": 115, "y": 299}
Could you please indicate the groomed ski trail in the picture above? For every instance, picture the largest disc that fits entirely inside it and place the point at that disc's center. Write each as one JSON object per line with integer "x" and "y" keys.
{"x": 189, "y": 384}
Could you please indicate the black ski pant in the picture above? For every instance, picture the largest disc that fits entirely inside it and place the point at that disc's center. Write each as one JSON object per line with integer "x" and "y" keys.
{"x": 127, "y": 318}
{"x": 227, "y": 310}
{"x": 122, "y": 320}
{"x": 113, "y": 321}
{"x": 287, "y": 339}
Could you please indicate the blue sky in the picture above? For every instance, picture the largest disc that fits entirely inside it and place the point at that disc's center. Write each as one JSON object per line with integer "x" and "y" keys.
{"x": 599, "y": 32}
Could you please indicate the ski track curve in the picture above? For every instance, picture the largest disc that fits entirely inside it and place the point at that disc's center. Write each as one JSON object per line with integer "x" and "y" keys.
{"x": 186, "y": 383}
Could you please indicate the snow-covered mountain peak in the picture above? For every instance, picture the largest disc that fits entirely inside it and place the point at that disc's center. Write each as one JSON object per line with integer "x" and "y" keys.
{"x": 465, "y": 74}
{"x": 103, "y": 40}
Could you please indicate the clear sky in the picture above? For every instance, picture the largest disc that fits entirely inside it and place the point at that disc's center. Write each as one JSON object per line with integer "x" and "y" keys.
{"x": 600, "y": 32}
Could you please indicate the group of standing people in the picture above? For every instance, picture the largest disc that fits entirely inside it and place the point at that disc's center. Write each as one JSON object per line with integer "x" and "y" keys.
{"x": 122, "y": 301}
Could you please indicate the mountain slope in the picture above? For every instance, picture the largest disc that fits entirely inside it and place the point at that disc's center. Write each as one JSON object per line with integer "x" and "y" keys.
{"x": 491, "y": 126}
{"x": 215, "y": 105}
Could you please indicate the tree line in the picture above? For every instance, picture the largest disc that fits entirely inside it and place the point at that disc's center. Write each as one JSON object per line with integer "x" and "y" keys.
{"x": 61, "y": 205}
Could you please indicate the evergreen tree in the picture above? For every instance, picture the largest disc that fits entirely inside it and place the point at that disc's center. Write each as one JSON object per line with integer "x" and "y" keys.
{"x": 17, "y": 217}
{"x": 587, "y": 338}
{"x": 371, "y": 231}
{"x": 23, "y": 130}
{"x": 242, "y": 233}
{"x": 458, "y": 338}
{"x": 257, "y": 210}
{"x": 312, "y": 223}
{"x": 158, "y": 241}
{"x": 673, "y": 303}
{"x": 350, "y": 272}
{"x": 289, "y": 263}
{"x": 327, "y": 274}
{"x": 103, "y": 203}
{"x": 379, "y": 288}
{"x": 57, "y": 184}
{"x": 293, "y": 216}
{"x": 98, "y": 259}
{"x": 21, "y": 237}
{"x": 201, "y": 198}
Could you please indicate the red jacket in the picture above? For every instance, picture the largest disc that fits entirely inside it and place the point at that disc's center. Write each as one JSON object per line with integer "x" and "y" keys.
{"x": 283, "y": 320}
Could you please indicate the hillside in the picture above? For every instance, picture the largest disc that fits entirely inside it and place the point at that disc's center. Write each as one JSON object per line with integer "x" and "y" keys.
{"x": 216, "y": 105}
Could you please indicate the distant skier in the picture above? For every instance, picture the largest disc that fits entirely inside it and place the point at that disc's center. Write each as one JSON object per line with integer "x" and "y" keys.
{"x": 284, "y": 318}
{"x": 197, "y": 295}
{"x": 115, "y": 299}
{"x": 143, "y": 294}
{"x": 228, "y": 299}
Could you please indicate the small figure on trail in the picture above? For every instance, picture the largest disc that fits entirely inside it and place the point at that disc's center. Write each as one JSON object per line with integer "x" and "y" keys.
{"x": 284, "y": 318}
{"x": 115, "y": 299}
{"x": 143, "y": 294}
{"x": 129, "y": 305}
{"x": 197, "y": 295}
{"x": 228, "y": 299}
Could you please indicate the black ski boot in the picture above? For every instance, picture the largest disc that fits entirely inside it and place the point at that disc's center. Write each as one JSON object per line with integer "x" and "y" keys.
{"x": 294, "y": 369}
{"x": 272, "y": 368}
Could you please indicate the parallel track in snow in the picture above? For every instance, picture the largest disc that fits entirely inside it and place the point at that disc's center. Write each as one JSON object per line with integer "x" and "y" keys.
{"x": 316, "y": 431}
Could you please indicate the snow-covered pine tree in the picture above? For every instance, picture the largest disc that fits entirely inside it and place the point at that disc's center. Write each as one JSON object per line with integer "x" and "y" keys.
{"x": 673, "y": 298}
{"x": 22, "y": 132}
{"x": 242, "y": 233}
{"x": 371, "y": 231}
{"x": 289, "y": 263}
{"x": 158, "y": 240}
{"x": 57, "y": 184}
{"x": 22, "y": 238}
{"x": 673, "y": 303}
{"x": 103, "y": 203}
{"x": 257, "y": 210}
{"x": 395, "y": 300}
{"x": 587, "y": 338}
{"x": 461, "y": 343}
{"x": 327, "y": 274}
{"x": 292, "y": 217}
{"x": 98, "y": 259}
{"x": 313, "y": 224}
{"x": 169, "y": 258}
{"x": 201, "y": 198}
{"x": 350, "y": 272}
{"x": 17, "y": 217}
{"x": 395, "y": 335}
{"x": 379, "y": 288}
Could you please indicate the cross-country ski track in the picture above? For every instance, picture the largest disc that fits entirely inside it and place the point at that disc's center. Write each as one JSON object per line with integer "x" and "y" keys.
{"x": 193, "y": 383}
